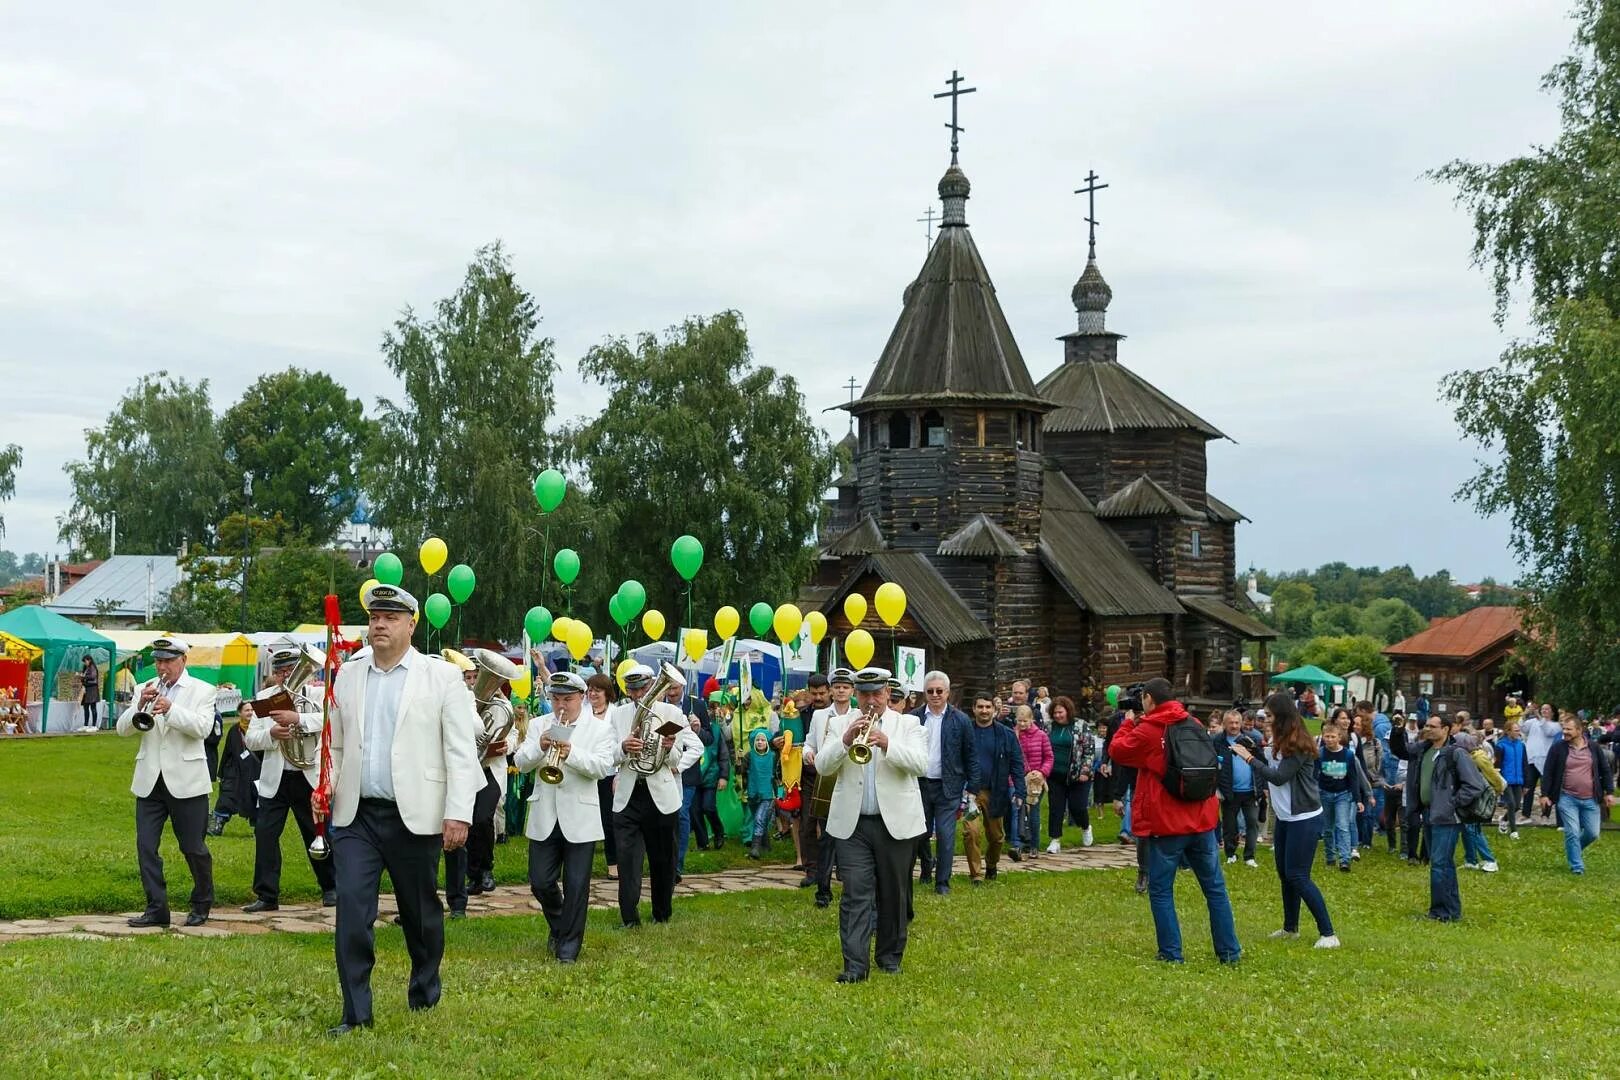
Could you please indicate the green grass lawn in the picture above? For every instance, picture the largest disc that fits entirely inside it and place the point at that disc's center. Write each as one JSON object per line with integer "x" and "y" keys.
{"x": 1037, "y": 974}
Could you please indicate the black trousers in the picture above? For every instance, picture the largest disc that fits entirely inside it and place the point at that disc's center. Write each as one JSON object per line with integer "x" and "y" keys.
{"x": 1531, "y": 776}
{"x": 377, "y": 840}
{"x": 1240, "y": 802}
{"x": 876, "y": 871}
{"x": 1067, "y": 800}
{"x": 643, "y": 829}
{"x": 292, "y": 796}
{"x": 478, "y": 856}
{"x": 188, "y": 818}
{"x": 563, "y": 908}
{"x": 604, "y": 799}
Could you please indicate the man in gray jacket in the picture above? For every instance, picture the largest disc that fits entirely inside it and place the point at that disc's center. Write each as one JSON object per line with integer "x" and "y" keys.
{"x": 1448, "y": 782}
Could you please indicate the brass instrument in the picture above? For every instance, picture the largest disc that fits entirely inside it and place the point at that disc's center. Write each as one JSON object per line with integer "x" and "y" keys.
{"x": 144, "y": 719}
{"x": 297, "y": 749}
{"x": 550, "y": 770}
{"x": 645, "y": 725}
{"x": 860, "y": 748}
{"x": 494, "y": 710}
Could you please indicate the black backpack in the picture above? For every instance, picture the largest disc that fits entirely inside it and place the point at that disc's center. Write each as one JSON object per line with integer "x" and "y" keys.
{"x": 1190, "y": 764}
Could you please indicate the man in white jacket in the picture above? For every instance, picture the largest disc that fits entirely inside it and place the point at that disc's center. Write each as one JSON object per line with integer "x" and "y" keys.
{"x": 171, "y": 779}
{"x": 565, "y": 818}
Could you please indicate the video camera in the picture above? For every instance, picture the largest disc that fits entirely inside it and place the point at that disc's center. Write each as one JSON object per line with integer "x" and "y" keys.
{"x": 1131, "y": 699}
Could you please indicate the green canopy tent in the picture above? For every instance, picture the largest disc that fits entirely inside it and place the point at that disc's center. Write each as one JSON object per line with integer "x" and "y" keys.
{"x": 65, "y": 643}
{"x": 1310, "y": 675}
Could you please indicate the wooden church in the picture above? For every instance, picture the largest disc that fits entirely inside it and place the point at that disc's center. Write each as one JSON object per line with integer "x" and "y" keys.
{"x": 1059, "y": 531}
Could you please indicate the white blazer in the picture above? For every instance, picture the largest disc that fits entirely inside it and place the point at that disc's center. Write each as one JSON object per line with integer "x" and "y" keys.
{"x": 173, "y": 749}
{"x": 435, "y": 766}
{"x": 572, "y": 804}
{"x": 258, "y": 737}
{"x": 897, "y": 769}
{"x": 665, "y": 784}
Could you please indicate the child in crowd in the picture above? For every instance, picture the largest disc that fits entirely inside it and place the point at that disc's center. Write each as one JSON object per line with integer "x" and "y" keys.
{"x": 1037, "y": 749}
{"x": 1344, "y": 792}
{"x": 1034, "y": 792}
{"x": 759, "y": 780}
{"x": 1511, "y": 759}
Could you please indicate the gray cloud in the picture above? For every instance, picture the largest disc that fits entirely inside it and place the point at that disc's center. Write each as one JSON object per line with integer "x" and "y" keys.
{"x": 223, "y": 192}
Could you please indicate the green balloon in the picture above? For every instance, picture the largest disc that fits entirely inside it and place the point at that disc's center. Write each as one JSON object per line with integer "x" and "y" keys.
{"x": 616, "y": 610}
{"x": 538, "y": 624}
{"x": 760, "y": 617}
{"x": 633, "y": 597}
{"x": 687, "y": 555}
{"x": 566, "y": 565}
{"x": 462, "y": 582}
{"x": 388, "y": 569}
{"x": 1112, "y": 694}
{"x": 438, "y": 610}
{"x": 549, "y": 489}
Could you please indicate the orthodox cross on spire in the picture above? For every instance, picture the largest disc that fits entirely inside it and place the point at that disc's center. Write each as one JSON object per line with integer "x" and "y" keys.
{"x": 1090, "y": 192}
{"x": 852, "y": 386}
{"x": 955, "y": 92}
{"x": 929, "y": 217}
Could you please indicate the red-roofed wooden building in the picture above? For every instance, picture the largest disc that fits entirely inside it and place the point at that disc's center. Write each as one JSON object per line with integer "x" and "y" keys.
{"x": 1458, "y": 661}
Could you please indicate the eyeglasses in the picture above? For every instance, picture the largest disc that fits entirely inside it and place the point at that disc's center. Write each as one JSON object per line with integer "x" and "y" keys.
{"x": 935, "y": 690}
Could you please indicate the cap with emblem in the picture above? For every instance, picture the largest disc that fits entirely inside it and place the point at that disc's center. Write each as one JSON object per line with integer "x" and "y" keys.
{"x": 872, "y": 678}
{"x": 841, "y": 675}
{"x": 167, "y": 648}
{"x": 285, "y": 656}
{"x": 459, "y": 659}
{"x": 389, "y": 598}
{"x": 565, "y": 682}
{"x": 637, "y": 677}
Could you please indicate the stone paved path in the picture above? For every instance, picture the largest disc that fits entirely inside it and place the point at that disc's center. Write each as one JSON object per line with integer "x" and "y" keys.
{"x": 505, "y": 900}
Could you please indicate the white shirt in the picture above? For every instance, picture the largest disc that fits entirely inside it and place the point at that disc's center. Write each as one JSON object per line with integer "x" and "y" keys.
{"x": 869, "y": 799}
{"x": 385, "y": 690}
{"x": 933, "y": 724}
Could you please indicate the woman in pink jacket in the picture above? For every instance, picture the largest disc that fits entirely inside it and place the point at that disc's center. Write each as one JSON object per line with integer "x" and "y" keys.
{"x": 1037, "y": 749}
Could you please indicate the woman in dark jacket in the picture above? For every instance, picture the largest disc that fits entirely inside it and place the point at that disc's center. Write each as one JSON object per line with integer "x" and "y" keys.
{"x": 1070, "y": 782}
{"x": 1296, "y": 804}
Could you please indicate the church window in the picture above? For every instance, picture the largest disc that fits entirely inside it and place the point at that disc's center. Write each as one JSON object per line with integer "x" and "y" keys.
{"x": 981, "y": 427}
{"x": 1138, "y": 648}
{"x": 900, "y": 431}
{"x": 1197, "y": 545}
{"x": 933, "y": 428}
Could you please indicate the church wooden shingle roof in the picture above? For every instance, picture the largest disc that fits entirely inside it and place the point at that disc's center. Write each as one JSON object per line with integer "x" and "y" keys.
{"x": 981, "y": 537}
{"x": 1092, "y": 564}
{"x": 951, "y": 343}
{"x": 1145, "y": 497}
{"x": 1219, "y": 611}
{"x": 1222, "y": 512}
{"x": 1104, "y": 396}
{"x": 862, "y": 538}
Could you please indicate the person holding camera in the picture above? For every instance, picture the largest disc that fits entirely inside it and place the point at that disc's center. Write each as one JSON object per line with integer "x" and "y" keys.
{"x": 1175, "y": 810}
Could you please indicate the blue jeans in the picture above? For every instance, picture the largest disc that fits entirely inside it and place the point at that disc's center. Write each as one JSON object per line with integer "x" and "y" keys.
{"x": 1445, "y": 902}
{"x": 1125, "y": 819}
{"x": 1203, "y": 855}
{"x": 1475, "y": 848}
{"x": 1339, "y": 808}
{"x": 683, "y": 829}
{"x": 1367, "y": 820}
{"x": 760, "y": 810}
{"x": 1580, "y": 819}
{"x": 1294, "y": 849}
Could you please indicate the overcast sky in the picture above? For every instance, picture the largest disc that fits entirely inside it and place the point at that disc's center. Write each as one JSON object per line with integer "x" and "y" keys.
{"x": 222, "y": 192}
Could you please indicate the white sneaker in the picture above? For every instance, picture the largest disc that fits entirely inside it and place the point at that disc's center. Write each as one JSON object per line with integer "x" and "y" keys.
{"x": 1250, "y": 862}
{"x": 1501, "y": 826}
{"x": 1488, "y": 867}
{"x": 1283, "y": 935}
{"x": 1355, "y": 853}
{"x": 1514, "y": 835}
{"x": 1230, "y": 859}
{"x": 1053, "y": 848}
{"x": 1085, "y": 837}
{"x": 1331, "y": 941}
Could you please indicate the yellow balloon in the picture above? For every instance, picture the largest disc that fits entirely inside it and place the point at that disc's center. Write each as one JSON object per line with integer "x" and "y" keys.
{"x": 787, "y": 622}
{"x": 523, "y": 685}
{"x": 433, "y": 554}
{"x": 858, "y": 648}
{"x": 890, "y": 601}
{"x": 818, "y": 626}
{"x": 726, "y": 621}
{"x": 370, "y": 584}
{"x": 696, "y": 643}
{"x": 653, "y": 623}
{"x": 854, "y": 608}
{"x": 579, "y": 639}
{"x": 618, "y": 673}
{"x": 559, "y": 628}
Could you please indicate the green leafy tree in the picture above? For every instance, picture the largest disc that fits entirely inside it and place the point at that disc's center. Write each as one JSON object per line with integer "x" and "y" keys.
{"x": 1334, "y": 620}
{"x": 10, "y": 461}
{"x": 301, "y": 437}
{"x": 1389, "y": 620}
{"x": 1345, "y": 653}
{"x": 456, "y": 457}
{"x": 157, "y": 462}
{"x": 698, "y": 438}
{"x": 1292, "y": 604}
{"x": 1545, "y": 414}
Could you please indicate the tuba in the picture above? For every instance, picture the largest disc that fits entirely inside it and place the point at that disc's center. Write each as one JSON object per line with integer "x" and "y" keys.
{"x": 860, "y": 748}
{"x": 645, "y": 725}
{"x": 494, "y": 710}
{"x": 298, "y": 751}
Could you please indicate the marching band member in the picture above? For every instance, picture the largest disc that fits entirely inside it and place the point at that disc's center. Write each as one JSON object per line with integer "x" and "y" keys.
{"x": 876, "y": 816}
{"x": 841, "y": 688}
{"x": 470, "y": 870}
{"x": 284, "y": 787}
{"x": 171, "y": 779}
{"x": 404, "y": 777}
{"x": 565, "y": 821}
{"x": 646, "y": 808}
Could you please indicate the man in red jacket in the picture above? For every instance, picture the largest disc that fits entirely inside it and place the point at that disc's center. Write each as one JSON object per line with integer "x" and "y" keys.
{"x": 1175, "y": 828}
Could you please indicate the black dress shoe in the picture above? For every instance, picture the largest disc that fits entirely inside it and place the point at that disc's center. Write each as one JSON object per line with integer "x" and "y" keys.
{"x": 487, "y": 882}
{"x": 567, "y": 959}
{"x": 823, "y": 901}
{"x": 851, "y": 976}
{"x": 808, "y": 881}
{"x": 889, "y": 969}
{"x": 926, "y": 878}
{"x": 151, "y": 918}
{"x": 475, "y": 887}
{"x": 458, "y": 913}
{"x": 261, "y": 905}
{"x": 990, "y": 874}
{"x": 942, "y": 890}
{"x": 1015, "y": 856}
{"x": 197, "y": 918}
{"x": 551, "y": 944}
{"x": 329, "y": 898}
{"x": 346, "y": 1027}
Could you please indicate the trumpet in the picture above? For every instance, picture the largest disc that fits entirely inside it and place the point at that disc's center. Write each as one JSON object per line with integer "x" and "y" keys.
{"x": 144, "y": 719}
{"x": 550, "y": 770}
{"x": 860, "y": 748}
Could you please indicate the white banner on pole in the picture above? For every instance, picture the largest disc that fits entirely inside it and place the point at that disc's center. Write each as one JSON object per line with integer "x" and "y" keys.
{"x": 913, "y": 665}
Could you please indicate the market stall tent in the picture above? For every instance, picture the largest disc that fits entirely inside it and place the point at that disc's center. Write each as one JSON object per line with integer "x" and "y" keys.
{"x": 62, "y": 642}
